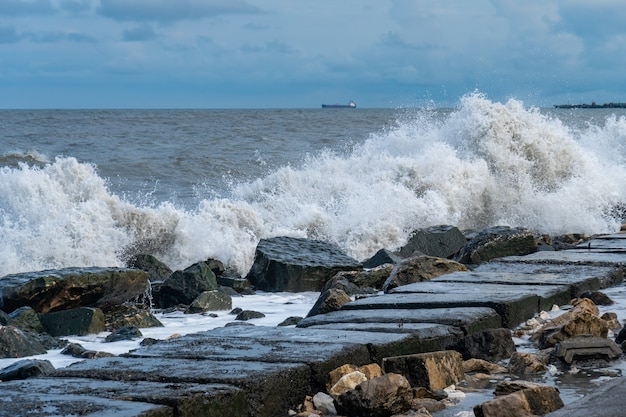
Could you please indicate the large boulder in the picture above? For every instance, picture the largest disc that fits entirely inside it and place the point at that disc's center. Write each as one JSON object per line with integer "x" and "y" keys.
{"x": 182, "y": 287}
{"x": 420, "y": 268}
{"x": 63, "y": 289}
{"x": 78, "y": 321}
{"x": 497, "y": 242}
{"x": 26, "y": 368}
{"x": 528, "y": 402}
{"x": 294, "y": 264}
{"x": 440, "y": 241}
{"x": 330, "y": 300}
{"x": 157, "y": 270}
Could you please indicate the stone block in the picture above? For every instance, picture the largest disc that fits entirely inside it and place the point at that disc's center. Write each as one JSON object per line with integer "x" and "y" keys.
{"x": 434, "y": 370}
{"x": 78, "y": 321}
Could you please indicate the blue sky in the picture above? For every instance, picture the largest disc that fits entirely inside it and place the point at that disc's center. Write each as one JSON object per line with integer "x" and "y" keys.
{"x": 288, "y": 53}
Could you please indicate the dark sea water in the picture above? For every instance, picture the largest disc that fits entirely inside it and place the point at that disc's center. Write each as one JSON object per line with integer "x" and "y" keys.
{"x": 92, "y": 187}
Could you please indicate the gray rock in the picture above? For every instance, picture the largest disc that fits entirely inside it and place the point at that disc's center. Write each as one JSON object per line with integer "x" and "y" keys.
{"x": 125, "y": 333}
{"x": 420, "y": 268}
{"x": 587, "y": 347}
{"x": 182, "y": 287}
{"x": 293, "y": 264}
{"x": 15, "y": 343}
{"x": 210, "y": 301}
{"x": 79, "y": 321}
{"x": 441, "y": 241}
{"x": 491, "y": 345}
{"x": 382, "y": 257}
{"x": 328, "y": 301}
{"x": 26, "y": 368}
{"x": 497, "y": 242}
{"x": 157, "y": 270}
{"x": 26, "y": 318}
{"x": 249, "y": 315}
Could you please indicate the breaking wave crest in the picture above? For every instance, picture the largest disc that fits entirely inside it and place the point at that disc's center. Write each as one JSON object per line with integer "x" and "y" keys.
{"x": 481, "y": 164}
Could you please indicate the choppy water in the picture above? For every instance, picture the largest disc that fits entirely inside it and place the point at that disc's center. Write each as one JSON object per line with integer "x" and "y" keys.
{"x": 92, "y": 187}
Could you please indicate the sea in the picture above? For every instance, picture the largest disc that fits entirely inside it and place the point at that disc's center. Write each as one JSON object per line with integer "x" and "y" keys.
{"x": 95, "y": 187}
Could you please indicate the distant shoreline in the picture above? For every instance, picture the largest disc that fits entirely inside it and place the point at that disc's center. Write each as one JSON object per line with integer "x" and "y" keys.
{"x": 593, "y": 105}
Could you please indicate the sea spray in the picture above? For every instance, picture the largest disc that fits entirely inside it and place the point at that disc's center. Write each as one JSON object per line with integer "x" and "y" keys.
{"x": 481, "y": 164}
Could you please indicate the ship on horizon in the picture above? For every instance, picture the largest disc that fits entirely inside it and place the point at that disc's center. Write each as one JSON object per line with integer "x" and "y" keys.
{"x": 350, "y": 105}
{"x": 593, "y": 105}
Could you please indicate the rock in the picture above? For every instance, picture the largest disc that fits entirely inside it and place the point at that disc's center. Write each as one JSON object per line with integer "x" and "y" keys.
{"x": 340, "y": 282}
{"x": 26, "y": 368}
{"x": 598, "y": 297}
{"x": 77, "y": 351}
{"x": 380, "y": 397}
{"x": 583, "y": 323}
{"x": 79, "y": 321}
{"x": 293, "y": 264}
{"x": 117, "y": 316}
{"x": 125, "y": 333}
{"x": 483, "y": 366}
{"x": 380, "y": 258}
{"x": 491, "y": 345}
{"x": 420, "y": 268}
{"x": 4, "y": 318}
{"x": 182, "y": 287}
{"x": 497, "y": 242}
{"x": 14, "y": 343}
{"x": 324, "y": 403}
{"x": 585, "y": 347}
{"x": 231, "y": 279}
{"x": 612, "y": 321}
{"x": 439, "y": 241}
{"x": 433, "y": 370}
{"x": 290, "y": 321}
{"x": 347, "y": 382}
{"x": 330, "y": 300}
{"x": 157, "y": 270}
{"x": 529, "y": 402}
{"x": 370, "y": 371}
{"x": 522, "y": 363}
{"x": 249, "y": 315}
{"x": 26, "y": 318}
{"x": 64, "y": 289}
{"x": 508, "y": 387}
{"x": 210, "y": 301}
{"x": 621, "y": 336}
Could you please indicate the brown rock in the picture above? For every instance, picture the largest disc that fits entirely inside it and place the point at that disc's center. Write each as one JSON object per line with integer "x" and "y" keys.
{"x": 420, "y": 268}
{"x": 381, "y": 397}
{"x": 526, "y": 363}
{"x": 434, "y": 370}
{"x": 583, "y": 323}
{"x": 533, "y": 401}
{"x": 480, "y": 365}
{"x": 330, "y": 300}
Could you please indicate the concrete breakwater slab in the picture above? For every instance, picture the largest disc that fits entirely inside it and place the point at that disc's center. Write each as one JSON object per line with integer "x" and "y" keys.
{"x": 513, "y": 307}
{"x": 548, "y": 295}
{"x": 322, "y": 350}
{"x": 270, "y": 388}
{"x": 72, "y": 396}
{"x": 469, "y": 320}
{"x": 572, "y": 257}
{"x": 580, "y": 278}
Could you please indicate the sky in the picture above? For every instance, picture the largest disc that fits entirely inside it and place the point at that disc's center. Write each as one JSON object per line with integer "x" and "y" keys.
{"x": 300, "y": 54}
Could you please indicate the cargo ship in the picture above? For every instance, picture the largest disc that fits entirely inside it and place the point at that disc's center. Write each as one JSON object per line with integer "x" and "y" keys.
{"x": 350, "y": 105}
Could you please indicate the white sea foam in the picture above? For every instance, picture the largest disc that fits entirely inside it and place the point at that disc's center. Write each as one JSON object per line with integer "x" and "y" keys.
{"x": 483, "y": 164}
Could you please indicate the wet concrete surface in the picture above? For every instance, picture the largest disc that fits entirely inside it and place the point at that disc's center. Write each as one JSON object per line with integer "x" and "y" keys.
{"x": 264, "y": 371}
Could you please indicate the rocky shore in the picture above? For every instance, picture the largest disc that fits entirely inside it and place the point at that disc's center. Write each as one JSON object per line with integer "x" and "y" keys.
{"x": 404, "y": 333}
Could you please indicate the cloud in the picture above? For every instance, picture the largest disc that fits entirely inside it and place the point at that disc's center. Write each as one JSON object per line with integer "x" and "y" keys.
{"x": 168, "y": 10}
{"x": 25, "y": 7}
{"x": 139, "y": 34}
{"x": 9, "y": 35}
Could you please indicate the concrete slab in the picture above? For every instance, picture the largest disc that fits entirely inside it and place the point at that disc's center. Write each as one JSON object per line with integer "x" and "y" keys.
{"x": 513, "y": 307}
{"x": 580, "y": 278}
{"x": 608, "y": 399}
{"x": 469, "y": 319}
{"x": 32, "y": 404}
{"x": 179, "y": 399}
{"x": 571, "y": 257}
{"x": 548, "y": 295}
{"x": 270, "y": 388}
